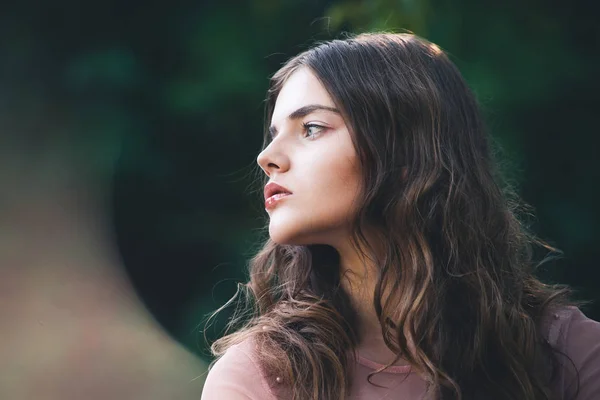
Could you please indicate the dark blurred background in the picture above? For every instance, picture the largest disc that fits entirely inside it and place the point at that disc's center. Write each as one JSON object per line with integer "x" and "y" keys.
{"x": 181, "y": 85}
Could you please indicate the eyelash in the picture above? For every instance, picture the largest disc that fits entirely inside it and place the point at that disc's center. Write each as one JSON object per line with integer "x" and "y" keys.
{"x": 306, "y": 127}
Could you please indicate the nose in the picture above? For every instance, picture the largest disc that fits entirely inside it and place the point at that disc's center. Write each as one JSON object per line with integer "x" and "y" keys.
{"x": 272, "y": 160}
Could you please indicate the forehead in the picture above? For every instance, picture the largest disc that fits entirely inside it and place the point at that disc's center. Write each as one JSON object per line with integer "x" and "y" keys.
{"x": 300, "y": 89}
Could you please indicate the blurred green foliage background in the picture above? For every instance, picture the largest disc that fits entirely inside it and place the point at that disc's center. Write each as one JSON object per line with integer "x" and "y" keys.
{"x": 176, "y": 89}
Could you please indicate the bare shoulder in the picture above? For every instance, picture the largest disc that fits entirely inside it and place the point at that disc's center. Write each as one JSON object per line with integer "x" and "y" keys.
{"x": 237, "y": 375}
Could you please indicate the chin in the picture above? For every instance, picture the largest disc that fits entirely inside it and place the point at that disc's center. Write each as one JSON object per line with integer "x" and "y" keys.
{"x": 294, "y": 235}
{"x": 288, "y": 238}
{"x": 287, "y": 234}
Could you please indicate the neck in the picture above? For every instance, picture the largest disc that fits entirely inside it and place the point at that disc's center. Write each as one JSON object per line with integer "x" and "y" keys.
{"x": 358, "y": 278}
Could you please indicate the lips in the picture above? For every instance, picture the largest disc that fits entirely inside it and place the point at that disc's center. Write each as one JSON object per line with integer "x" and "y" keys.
{"x": 273, "y": 188}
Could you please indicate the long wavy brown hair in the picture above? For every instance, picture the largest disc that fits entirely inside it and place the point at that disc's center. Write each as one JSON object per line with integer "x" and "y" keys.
{"x": 456, "y": 294}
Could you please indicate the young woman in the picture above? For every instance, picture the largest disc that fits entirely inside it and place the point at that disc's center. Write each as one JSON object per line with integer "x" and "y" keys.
{"x": 396, "y": 265}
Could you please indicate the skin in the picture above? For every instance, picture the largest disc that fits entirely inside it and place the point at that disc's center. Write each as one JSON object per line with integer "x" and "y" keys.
{"x": 320, "y": 167}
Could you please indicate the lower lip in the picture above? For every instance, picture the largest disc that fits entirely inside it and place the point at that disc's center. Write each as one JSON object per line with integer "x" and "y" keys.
{"x": 271, "y": 201}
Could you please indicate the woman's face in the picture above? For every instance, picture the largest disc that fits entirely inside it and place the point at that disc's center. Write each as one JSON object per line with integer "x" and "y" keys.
{"x": 313, "y": 157}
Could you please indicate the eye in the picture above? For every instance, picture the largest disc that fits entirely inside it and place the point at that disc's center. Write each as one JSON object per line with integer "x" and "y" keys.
{"x": 312, "y": 130}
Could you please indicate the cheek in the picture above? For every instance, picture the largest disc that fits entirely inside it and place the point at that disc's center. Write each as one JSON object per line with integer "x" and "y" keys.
{"x": 342, "y": 183}
{"x": 325, "y": 207}
{"x": 332, "y": 180}
{"x": 338, "y": 194}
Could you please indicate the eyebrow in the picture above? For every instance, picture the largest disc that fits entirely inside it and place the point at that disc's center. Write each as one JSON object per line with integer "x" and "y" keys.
{"x": 303, "y": 112}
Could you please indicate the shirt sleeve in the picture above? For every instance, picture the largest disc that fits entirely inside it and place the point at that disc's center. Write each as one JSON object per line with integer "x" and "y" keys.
{"x": 581, "y": 343}
{"x": 236, "y": 376}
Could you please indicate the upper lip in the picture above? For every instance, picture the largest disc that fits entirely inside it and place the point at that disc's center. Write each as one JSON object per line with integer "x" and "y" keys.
{"x": 272, "y": 188}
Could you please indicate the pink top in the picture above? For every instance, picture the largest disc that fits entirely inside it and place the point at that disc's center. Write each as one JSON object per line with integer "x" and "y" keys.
{"x": 237, "y": 375}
